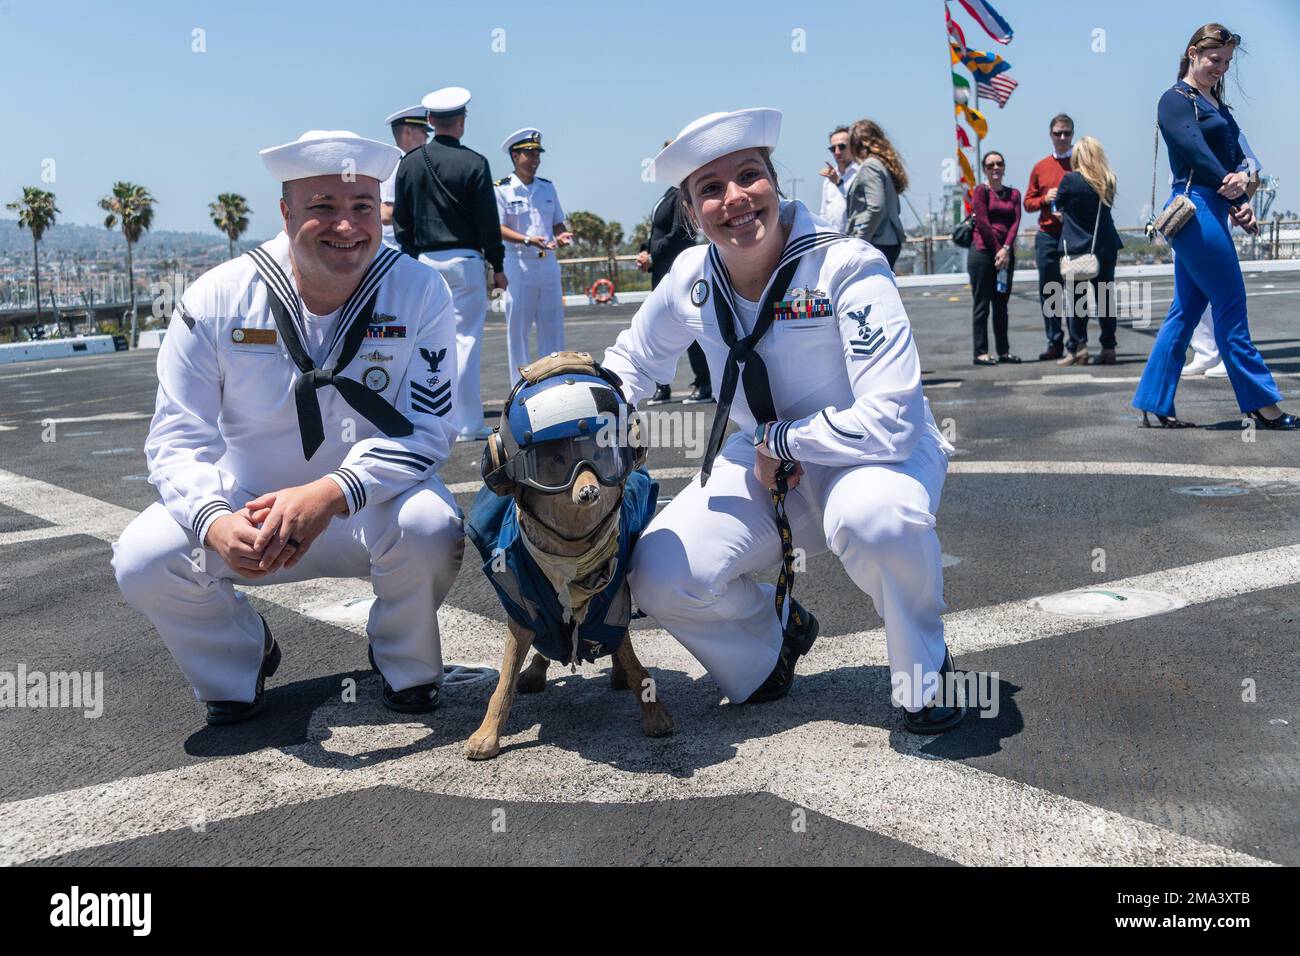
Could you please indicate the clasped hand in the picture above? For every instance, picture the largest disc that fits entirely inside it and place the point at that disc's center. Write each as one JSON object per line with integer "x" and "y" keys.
{"x": 275, "y": 530}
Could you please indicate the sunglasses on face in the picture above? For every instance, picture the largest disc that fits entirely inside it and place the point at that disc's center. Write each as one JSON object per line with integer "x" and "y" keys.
{"x": 995, "y": 165}
{"x": 836, "y": 147}
{"x": 1062, "y": 132}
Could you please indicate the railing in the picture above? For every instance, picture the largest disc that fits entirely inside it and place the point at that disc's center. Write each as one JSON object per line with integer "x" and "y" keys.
{"x": 921, "y": 255}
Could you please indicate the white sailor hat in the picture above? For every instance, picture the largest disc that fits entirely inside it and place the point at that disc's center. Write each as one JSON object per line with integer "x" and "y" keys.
{"x": 411, "y": 116}
{"x": 527, "y": 138}
{"x": 447, "y": 101}
{"x": 705, "y": 139}
{"x": 326, "y": 152}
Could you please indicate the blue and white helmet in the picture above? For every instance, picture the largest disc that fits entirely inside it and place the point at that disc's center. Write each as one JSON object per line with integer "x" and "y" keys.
{"x": 550, "y": 429}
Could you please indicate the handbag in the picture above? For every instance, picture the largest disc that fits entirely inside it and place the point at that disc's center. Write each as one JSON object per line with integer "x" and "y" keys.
{"x": 963, "y": 234}
{"x": 1083, "y": 268}
{"x": 1179, "y": 212}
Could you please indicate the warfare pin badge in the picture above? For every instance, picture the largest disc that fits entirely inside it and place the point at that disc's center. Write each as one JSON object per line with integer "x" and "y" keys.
{"x": 699, "y": 293}
{"x": 376, "y": 378}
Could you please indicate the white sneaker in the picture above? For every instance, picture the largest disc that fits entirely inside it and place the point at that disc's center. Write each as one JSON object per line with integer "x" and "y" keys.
{"x": 1217, "y": 371}
{"x": 475, "y": 434}
{"x": 1199, "y": 366}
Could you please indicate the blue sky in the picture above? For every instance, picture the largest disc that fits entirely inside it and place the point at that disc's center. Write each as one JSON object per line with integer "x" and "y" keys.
{"x": 114, "y": 91}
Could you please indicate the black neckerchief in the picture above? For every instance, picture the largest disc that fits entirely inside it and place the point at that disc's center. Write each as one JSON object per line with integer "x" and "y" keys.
{"x": 758, "y": 390}
{"x": 353, "y": 322}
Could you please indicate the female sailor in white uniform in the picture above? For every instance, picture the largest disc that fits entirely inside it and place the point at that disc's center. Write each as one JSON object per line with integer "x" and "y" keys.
{"x": 805, "y": 330}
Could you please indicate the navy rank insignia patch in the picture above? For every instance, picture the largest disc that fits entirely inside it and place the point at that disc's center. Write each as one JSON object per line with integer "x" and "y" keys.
{"x": 868, "y": 341}
{"x": 385, "y": 331}
{"x": 431, "y": 401}
{"x": 699, "y": 293}
{"x": 375, "y": 378}
{"x": 434, "y": 359}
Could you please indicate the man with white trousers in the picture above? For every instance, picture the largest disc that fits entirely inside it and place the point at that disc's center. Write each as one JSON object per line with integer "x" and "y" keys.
{"x": 445, "y": 214}
{"x": 299, "y": 428}
{"x": 532, "y": 225}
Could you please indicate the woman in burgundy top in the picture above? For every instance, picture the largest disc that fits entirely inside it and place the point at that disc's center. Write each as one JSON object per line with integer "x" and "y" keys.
{"x": 996, "y": 217}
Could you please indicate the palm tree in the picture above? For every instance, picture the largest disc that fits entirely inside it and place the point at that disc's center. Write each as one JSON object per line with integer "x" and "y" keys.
{"x": 36, "y": 211}
{"x": 230, "y": 214}
{"x": 132, "y": 206}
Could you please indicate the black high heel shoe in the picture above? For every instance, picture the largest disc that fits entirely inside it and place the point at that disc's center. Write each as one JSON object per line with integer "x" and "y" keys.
{"x": 1284, "y": 422}
{"x": 1167, "y": 422}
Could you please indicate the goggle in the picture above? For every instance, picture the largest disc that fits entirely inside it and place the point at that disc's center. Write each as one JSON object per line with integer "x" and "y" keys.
{"x": 552, "y": 467}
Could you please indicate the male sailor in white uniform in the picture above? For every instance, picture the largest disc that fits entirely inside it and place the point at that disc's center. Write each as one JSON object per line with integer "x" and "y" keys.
{"x": 410, "y": 129}
{"x": 532, "y": 225}
{"x": 303, "y": 390}
{"x": 805, "y": 330}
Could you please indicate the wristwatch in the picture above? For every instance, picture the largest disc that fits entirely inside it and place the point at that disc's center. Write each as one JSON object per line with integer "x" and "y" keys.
{"x": 760, "y": 434}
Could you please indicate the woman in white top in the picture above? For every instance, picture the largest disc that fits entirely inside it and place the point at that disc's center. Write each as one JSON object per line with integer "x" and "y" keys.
{"x": 830, "y": 390}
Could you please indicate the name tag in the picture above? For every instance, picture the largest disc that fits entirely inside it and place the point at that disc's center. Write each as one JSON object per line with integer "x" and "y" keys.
{"x": 252, "y": 336}
{"x": 385, "y": 331}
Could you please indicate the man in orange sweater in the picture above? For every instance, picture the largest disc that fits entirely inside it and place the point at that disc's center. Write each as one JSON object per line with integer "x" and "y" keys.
{"x": 1040, "y": 197}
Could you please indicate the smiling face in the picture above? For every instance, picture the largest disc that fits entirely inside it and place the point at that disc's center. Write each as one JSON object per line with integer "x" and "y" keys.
{"x": 526, "y": 163}
{"x": 735, "y": 201}
{"x": 332, "y": 224}
{"x": 1208, "y": 65}
{"x": 995, "y": 167}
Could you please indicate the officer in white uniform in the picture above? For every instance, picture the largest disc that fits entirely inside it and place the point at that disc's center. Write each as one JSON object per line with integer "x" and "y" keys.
{"x": 532, "y": 225}
{"x": 410, "y": 131}
{"x": 300, "y": 424}
{"x": 832, "y": 385}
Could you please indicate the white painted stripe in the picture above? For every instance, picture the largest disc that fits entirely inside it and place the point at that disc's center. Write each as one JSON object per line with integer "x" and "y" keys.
{"x": 108, "y": 417}
{"x": 1068, "y": 378}
{"x": 33, "y": 534}
{"x": 1116, "y": 469}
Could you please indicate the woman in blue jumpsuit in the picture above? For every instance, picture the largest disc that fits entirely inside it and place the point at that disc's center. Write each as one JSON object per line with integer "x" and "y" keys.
{"x": 1203, "y": 142}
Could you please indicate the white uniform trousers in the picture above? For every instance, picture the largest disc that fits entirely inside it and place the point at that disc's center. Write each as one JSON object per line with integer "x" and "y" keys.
{"x": 409, "y": 546}
{"x": 692, "y": 568}
{"x": 534, "y": 297}
{"x": 464, "y": 271}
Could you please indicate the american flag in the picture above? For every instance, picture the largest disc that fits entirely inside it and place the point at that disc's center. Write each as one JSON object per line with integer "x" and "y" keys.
{"x": 997, "y": 88}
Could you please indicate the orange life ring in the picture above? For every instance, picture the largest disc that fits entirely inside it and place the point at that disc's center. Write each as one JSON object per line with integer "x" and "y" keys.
{"x": 601, "y": 291}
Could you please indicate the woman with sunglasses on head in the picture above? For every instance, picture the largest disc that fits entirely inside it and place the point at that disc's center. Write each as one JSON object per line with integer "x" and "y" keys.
{"x": 1203, "y": 140}
{"x": 872, "y": 211}
{"x": 836, "y": 449}
{"x": 1085, "y": 198}
{"x": 991, "y": 262}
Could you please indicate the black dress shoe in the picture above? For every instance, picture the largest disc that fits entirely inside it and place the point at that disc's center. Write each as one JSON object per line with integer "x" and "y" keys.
{"x": 699, "y": 396}
{"x": 937, "y": 717}
{"x": 419, "y": 699}
{"x": 1010, "y": 359}
{"x": 1167, "y": 421}
{"x": 1053, "y": 353}
{"x": 798, "y": 640}
{"x": 233, "y": 711}
{"x": 662, "y": 395}
{"x": 1284, "y": 422}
